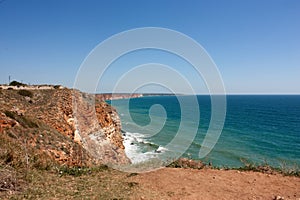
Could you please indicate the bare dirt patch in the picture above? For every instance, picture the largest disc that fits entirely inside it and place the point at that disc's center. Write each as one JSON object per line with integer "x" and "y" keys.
{"x": 174, "y": 183}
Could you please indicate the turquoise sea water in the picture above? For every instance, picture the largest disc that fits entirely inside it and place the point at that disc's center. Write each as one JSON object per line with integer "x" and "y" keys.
{"x": 257, "y": 129}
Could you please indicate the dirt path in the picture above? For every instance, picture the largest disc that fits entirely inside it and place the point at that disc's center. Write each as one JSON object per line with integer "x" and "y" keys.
{"x": 174, "y": 183}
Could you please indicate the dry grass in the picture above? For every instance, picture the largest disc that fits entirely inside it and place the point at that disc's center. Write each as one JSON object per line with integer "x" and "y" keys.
{"x": 8, "y": 180}
{"x": 26, "y": 173}
{"x": 48, "y": 184}
{"x": 99, "y": 184}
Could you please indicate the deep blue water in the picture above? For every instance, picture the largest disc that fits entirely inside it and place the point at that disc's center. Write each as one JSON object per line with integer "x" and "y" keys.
{"x": 257, "y": 129}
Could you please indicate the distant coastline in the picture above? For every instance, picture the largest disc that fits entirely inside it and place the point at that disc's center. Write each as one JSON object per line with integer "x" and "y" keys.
{"x": 115, "y": 96}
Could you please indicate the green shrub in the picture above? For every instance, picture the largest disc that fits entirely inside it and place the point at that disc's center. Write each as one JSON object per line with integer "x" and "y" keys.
{"x": 78, "y": 171}
{"x": 24, "y": 121}
{"x": 10, "y": 114}
{"x": 56, "y": 86}
{"x": 73, "y": 171}
{"x": 25, "y": 93}
{"x": 16, "y": 83}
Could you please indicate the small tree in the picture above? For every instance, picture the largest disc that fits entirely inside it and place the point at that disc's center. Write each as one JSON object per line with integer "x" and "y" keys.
{"x": 16, "y": 83}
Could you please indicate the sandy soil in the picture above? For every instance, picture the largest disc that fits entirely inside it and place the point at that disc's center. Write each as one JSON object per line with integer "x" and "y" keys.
{"x": 174, "y": 183}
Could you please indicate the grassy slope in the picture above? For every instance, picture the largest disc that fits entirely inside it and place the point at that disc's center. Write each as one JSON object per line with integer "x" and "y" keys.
{"x": 23, "y": 175}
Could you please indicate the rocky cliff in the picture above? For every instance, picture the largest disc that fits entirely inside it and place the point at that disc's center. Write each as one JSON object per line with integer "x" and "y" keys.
{"x": 47, "y": 120}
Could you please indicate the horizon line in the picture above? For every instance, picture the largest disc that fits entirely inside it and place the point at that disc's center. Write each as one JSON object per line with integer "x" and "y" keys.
{"x": 197, "y": 93}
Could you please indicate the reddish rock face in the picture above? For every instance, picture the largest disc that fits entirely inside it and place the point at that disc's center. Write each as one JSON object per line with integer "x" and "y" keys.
{"x": 110, "y": 122}
{"x": 96, "y": 128}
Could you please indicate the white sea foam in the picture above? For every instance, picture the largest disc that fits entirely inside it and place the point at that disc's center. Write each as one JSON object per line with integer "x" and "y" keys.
{"x": 161, "y": 149}
{"x": 133, "y": 149}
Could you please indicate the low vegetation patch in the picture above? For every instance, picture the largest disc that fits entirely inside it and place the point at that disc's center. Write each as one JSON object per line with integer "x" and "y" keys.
{"x": 56, "y": 86}
{"x": 248, "y": 166}
{"x": 79, "y": 171}
{"x": 10, "y": 114}
{"x": 16, "y": 83}
{"x": 25, "y": 93}
{"x": 8, "y": 180}
{"x": 187, "y": 163}
{"x": 265, "y": 168}
{"x": 23, "y": 120}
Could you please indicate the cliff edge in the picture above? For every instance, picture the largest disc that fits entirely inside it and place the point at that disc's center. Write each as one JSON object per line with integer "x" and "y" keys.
{"x": 45, "y": 121}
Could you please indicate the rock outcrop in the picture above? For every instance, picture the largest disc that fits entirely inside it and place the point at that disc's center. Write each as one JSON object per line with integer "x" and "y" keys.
{"x": 87, "y": 133}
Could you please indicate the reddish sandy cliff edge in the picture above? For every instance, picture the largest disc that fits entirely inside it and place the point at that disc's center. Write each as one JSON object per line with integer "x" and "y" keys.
{"x": 44, "y": 119}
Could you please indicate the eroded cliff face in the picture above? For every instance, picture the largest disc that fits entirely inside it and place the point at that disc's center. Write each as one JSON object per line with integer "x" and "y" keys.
{"x": 90, "y": 133}
{"x": 98, "y": 128}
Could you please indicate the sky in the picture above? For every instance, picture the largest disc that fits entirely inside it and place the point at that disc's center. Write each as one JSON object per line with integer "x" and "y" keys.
{"x": 255, "y": 44}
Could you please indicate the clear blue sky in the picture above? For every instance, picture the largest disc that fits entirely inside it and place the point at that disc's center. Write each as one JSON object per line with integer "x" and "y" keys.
{"x": 255, "y": 43}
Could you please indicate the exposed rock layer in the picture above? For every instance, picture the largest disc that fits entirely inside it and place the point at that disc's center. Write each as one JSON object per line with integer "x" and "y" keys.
{"x": 92, "y": 134}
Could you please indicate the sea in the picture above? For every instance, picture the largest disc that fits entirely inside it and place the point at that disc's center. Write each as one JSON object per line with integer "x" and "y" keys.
{"x": 258, "y": 129}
